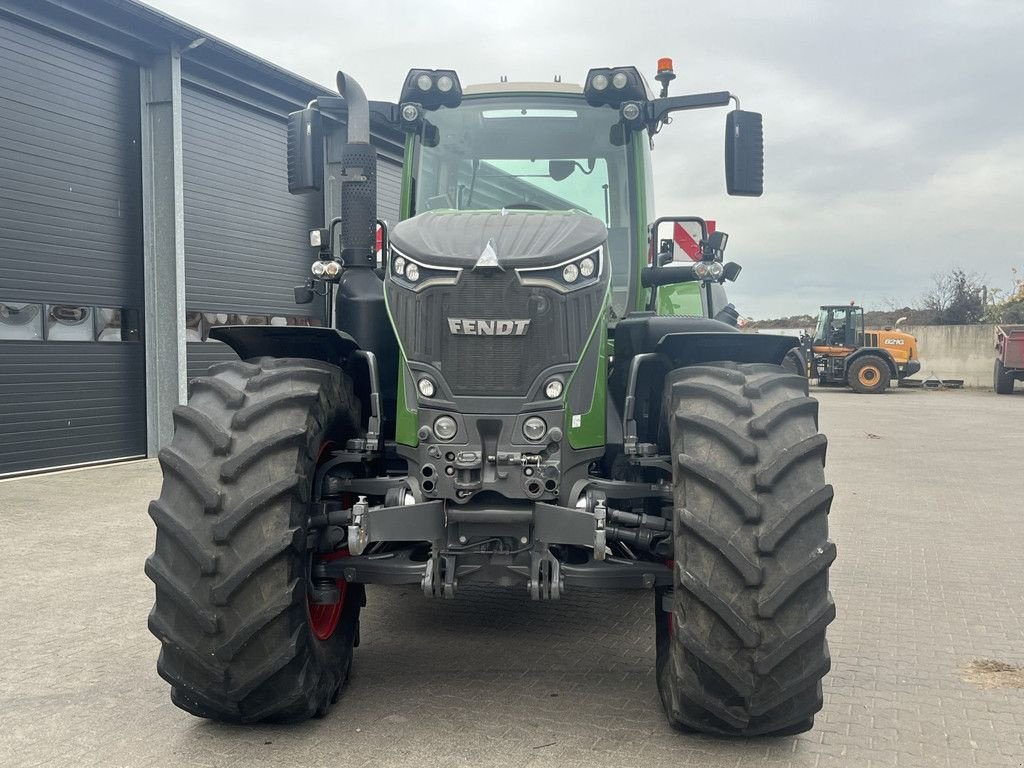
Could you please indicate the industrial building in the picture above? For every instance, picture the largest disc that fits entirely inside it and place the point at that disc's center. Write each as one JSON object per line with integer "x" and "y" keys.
{"x": 143, "y": 200}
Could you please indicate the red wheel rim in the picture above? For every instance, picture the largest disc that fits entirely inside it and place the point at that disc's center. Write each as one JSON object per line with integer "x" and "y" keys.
{"x": 324, "y": 617}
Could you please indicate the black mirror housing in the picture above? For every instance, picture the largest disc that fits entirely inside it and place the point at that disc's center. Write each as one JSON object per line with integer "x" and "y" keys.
{"x": 717, "y": 241}
{"x": 744, "y": 153}
{"x": 560, "y": 170}
{"x": 305, "y": 151}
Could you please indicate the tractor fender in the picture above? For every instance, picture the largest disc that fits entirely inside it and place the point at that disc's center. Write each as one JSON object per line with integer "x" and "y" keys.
{"x": 890, "y": 361}
{"x": 250, "y": 341}
{"x": 325, "y": 344}
{"x": 706, "y": 347}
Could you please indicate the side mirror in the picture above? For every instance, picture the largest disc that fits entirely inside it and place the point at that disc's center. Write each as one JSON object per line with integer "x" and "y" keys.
{"x": 304, "y": 293}
{"x": 744, "y": 154}
{"x": 560, "y": 170}
{"x": 305, "y": 151}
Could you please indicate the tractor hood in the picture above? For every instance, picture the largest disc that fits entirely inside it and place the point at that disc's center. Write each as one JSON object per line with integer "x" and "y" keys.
{"x": 517, "y": 239}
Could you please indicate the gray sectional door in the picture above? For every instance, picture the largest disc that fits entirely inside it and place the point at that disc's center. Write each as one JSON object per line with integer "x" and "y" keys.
{"x": 389, "y": 188}
{"x": 246, "y": 237}
{"x": 72, "y": 373}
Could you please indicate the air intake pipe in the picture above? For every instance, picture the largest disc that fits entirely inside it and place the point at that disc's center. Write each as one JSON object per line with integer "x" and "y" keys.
{"x": 359, "y": 180}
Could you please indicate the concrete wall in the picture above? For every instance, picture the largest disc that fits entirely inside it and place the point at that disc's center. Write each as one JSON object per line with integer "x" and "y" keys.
{"x": 956, "y": 352}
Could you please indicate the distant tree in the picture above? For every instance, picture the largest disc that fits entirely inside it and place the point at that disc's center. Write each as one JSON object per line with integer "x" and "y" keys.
{"x": 1010, "y": 309}
{"x": 957, "y": 298}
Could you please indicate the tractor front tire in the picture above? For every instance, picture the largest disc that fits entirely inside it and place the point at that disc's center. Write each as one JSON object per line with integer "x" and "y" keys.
{"x": 242, "y": 638}
{"x": 869, "y": 375}
{"x": 741, "y": 647}
{"x": 1002, "y": 381}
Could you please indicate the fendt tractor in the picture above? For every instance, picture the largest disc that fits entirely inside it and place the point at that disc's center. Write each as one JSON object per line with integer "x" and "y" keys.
{"x": 497, "y": 401}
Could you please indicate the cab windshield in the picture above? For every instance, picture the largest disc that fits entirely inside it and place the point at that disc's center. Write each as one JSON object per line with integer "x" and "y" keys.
{"x": 550, "y": 153}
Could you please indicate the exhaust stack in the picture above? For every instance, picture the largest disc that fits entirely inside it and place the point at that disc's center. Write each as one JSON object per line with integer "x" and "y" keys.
{"x": 359, "y": 180}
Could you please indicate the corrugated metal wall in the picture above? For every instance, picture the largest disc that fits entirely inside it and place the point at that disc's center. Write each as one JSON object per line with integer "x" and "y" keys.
{"x": 70, "y": 242}
{"x": 246, "y": 237}
{"x": 72, "y": 360}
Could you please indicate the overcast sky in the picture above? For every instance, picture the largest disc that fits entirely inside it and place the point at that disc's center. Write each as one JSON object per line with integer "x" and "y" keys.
{"x": 894, "y": 131}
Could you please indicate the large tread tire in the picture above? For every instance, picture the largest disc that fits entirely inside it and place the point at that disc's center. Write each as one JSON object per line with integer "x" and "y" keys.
{"x": 742, "y": 651}
{"x": 1002, "y": 381}
{"x": 869, "y": 375}
{"x": 795, "y": 361}
{"x": 230, "y": 563}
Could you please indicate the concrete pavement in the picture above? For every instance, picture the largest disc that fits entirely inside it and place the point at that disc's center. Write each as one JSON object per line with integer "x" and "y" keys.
{"x": 930, "y": 577}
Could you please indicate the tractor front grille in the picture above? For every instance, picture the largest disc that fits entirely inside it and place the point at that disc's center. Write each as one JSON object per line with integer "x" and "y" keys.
{"x": 497, "y": 366}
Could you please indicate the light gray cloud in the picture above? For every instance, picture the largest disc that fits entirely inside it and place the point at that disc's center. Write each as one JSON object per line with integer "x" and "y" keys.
{"x": 894, "y": 131}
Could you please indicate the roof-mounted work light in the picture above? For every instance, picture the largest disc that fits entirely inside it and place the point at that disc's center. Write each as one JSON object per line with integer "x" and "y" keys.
{"x": 613, "y": 86}
{"x": 432, "y": 88}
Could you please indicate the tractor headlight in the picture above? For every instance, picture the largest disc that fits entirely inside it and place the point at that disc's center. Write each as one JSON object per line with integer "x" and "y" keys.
{"x": 426, "y": 386}
{"x": 626, "y": 85}
{"x": 331, "y": 269}
{"x": 415, "y": 275}
{"x": 632, "y": 113}
{"x": 553, "y": 389}
{"x": 534, "y": 429}
{"x": 578, "y": 272}
{"x": 318, "y": 268}
{"x": 445, "y": 427}
{"x": 431, "y": 88}
{"x": 410, "y": 113}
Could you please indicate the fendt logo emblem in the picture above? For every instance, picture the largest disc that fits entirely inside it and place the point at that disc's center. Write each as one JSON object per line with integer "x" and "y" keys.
{"x": 463, "y": 327}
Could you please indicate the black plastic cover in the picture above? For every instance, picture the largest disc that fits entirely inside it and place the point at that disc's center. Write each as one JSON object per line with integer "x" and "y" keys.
{"x": 519, "y": 238}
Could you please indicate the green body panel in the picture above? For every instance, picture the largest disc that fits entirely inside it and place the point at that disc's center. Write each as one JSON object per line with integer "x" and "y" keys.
{"x": 406, "y": 425}
{"x": 405, "y": 205}
{"x": 642, "y": 219}
{"x": 591, "y": 432}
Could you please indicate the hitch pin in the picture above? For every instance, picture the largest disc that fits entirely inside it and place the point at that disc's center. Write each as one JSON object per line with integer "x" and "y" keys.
{"x": 356, "y": 530}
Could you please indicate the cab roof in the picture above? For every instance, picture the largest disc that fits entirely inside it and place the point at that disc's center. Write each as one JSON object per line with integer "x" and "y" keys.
{"x": 522, "y": 87}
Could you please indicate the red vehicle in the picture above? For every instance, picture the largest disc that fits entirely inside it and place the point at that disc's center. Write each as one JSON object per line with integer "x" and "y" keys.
{"x": 1009, "y": 358}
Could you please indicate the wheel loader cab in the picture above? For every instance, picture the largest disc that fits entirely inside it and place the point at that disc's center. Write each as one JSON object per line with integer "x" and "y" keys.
{"x": 840, "y": 326}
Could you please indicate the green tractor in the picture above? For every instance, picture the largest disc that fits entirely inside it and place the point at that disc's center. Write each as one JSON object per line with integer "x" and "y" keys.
{"x": 496, "y": 399}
